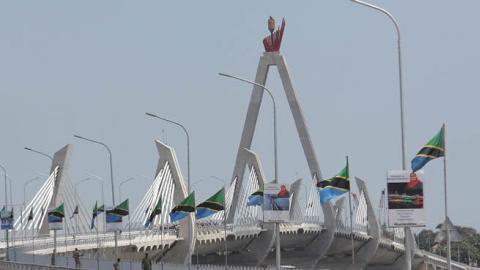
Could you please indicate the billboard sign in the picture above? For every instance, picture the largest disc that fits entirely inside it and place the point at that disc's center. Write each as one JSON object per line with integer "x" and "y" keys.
{"x": 405, "y": 199}
{"x": 6, "y": 218}
{"x": 114, "y": 221}
{"x": 276, "y": 203}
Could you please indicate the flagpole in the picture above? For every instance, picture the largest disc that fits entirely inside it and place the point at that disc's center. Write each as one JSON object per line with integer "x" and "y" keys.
{"x": 225, "y": 228}
{"x": 351, "y": 218}
{"x": 161, "y": 236}
{"x": 54, "y": 247}
{"x": 129, "y": 238}
{"x": 98, "y": 242}
{"x": 196, "y": 238}
{"x": 66, "y": 247}
{"x": 33, "y": 242}
{"x": 449, "y": 251}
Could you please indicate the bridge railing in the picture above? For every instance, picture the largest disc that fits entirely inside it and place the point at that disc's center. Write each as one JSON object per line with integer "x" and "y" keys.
{"x": 28, "y": 266}
{"x": 104, "y": 238}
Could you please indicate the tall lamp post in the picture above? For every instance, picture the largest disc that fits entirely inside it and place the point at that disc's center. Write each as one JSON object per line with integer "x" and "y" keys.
{"x": 7, "y": 256}
{"x": 408, "y": 232}
{"x": 55, "y": 231}
{"x": 120, "y": 186}
{"x": 111, "y": 179}
{"x": 188, "y": 165}
{"x": 188, "y": 141}
{"x": 277, "y": 225}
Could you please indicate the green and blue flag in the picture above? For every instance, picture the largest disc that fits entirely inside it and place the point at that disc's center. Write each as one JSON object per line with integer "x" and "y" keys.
{"x": 185, "y": 207}
{"x": 155, "y": 212}
{"x": 256, "y": 198}
{"x": 434, "y": 149}
{"x": 338, "y": 185}
{"x": 94, "y": 216}
{"x": 121, "y": 209}
{"x": 212, "y": 205}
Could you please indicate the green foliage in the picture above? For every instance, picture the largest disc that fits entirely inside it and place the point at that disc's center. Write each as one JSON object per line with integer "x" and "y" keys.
{"x": 465, "y": 251}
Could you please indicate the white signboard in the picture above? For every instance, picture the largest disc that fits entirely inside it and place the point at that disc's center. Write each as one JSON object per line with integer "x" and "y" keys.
{"x": 276, "y": 203}
{"x": 405, "y": 199}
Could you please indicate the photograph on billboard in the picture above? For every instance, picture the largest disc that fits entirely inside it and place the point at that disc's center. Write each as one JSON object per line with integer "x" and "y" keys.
{"x": 276, "y": 203}
{"x": 405, "y": 199}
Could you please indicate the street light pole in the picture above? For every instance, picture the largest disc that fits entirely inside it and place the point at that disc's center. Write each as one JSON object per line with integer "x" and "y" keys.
{"x": 408, "y": 232}
{"x": 7, "y": 256}
{"x": 38, "y": 152}
{"x": 120, "y": 187}
{"x": 188, "y": 141}
{"x": 111, "y": 179}
{"x": 277, "y": 225}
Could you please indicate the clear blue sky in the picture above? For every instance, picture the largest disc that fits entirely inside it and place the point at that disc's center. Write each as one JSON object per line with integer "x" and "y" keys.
{"x": 95, "y": 67}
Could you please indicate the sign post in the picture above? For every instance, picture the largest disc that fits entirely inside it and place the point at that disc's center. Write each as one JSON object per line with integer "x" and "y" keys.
{"x": 405, "y": 199}
{"x": 7, "y": 224}
{"x": 276, "y": 203}
{"x": 55, "y": 223}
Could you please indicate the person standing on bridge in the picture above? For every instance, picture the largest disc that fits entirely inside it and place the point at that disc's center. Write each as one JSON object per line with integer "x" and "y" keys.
{"x": 146, "y": 263}
{"x": 76, "y": 257}
{"x": 116, "y": 265}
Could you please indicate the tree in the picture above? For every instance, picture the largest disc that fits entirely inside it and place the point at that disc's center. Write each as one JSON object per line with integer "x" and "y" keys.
{"x": 465, "y": 251}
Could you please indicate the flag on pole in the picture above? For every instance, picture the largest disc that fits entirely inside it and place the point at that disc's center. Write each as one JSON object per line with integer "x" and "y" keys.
{"x": 256, "y": 198}
{"x": 185, "y": 207}
{"x": 212, "y": 205}
{"x": 94, "y": 216}
{"x": 58, "y": 212}
{"x": 101, "y": 209}
{"x": 75, "y": 212}
{"x": 155, "y": 212}
{"x": 30, "y": 215}
{"x": 334, "y": 187}
{"x": 55, "y": 217}
{"x": 435, "y": 148}
{"x": 121, "y": 209}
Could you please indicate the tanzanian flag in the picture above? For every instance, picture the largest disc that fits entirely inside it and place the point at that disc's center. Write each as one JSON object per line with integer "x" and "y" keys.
{"x": 334, "y": 187}
{"x": 30, "y": 215}
{"x": 212, "y": 205}
{"x": 185, "y": 207}
{"x": 121, "y": 209}
{"x": 155, "y": 212}
{"x": 256, "y": 198}
{"x": 58, "y": 212}
{"x": 75, "y": 212}
{"x": 435, "y": 148}
{"x": 94, "y": 216}
{"x": 101, "y": 209}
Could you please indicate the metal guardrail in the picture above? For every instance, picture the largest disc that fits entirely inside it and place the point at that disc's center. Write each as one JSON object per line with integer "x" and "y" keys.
{"x": 28, "y": 266}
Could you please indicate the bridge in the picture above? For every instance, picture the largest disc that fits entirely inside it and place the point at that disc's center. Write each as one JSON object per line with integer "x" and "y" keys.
{"x": 318, "y": 235}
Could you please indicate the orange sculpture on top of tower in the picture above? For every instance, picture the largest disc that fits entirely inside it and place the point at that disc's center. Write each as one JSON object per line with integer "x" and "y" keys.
{"x": 274, "y": 40}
